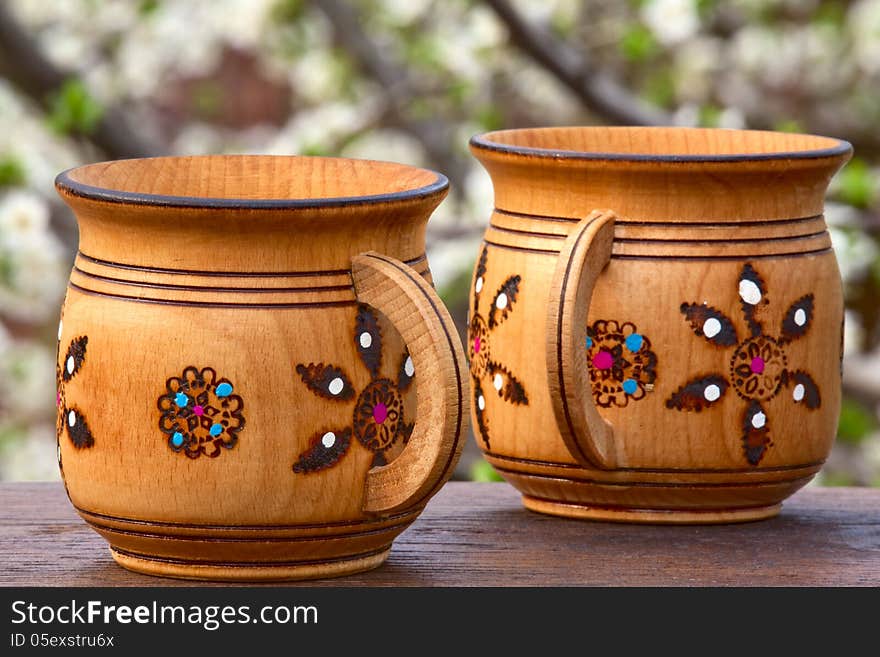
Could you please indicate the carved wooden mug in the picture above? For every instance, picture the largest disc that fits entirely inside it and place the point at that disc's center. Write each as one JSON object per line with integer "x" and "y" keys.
{"x": 656, "y": 320}
{"x": 239, "y": 363}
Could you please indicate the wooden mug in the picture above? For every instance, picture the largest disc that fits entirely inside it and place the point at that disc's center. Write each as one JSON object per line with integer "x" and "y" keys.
{"x": 656, "y": 320}
{"x": 239, "y": 355}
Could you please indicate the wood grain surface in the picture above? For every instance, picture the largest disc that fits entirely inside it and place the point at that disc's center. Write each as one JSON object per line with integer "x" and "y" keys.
{"x": 692, "y": 364}
{"x": 479, "y": 535}
{"x": 239, "y": 361}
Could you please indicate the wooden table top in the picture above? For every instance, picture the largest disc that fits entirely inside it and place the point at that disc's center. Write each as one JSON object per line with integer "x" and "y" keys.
{"x": 477, "y": 534}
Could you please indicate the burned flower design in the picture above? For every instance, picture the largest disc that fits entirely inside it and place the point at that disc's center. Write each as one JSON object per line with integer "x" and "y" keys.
{"x": 622, "y": 365}
{"x": 758, "y": 368}
{"x": 200, "y": 413}
{"x": 480, "y": 329}
{"x": 378, "y": 421}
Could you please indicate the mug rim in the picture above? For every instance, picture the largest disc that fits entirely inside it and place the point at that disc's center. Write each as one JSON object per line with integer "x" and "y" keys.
{"x": 64, "y": 182}
{"x": 484, "y": 142}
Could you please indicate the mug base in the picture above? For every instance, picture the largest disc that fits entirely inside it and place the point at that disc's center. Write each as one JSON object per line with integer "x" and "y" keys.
{"x": 247, "y": 571}
{"x": 650, "y": 516}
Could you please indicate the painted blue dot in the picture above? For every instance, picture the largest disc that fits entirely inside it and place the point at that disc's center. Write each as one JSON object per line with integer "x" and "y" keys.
{"x": 224, "y": 390}
{"x": 589, "y": 342}
{"x": 177, "y": 439}
{"x": 181, "y": 399}
{"x": 630, "y": 386}
{"x": 216, "y": 429}
{"x": 634, "y": 342}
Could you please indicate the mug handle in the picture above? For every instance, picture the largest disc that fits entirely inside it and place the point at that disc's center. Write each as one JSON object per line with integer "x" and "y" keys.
{"x": 417, "y": 313}
{"x": 585, "y": 253}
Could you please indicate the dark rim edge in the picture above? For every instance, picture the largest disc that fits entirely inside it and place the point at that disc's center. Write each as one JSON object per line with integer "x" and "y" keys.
{"x": 480, "y": 142}
{"x": 63, "y": 182}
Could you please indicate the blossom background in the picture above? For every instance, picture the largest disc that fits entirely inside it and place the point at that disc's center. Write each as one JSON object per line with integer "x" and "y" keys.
{"x": 412, "y": 80}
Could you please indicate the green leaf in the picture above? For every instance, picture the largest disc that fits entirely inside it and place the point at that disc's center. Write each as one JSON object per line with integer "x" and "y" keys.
{"x": 72, "y": 110}
{"x": 424, "y": 52}
{"x": 482, "y": 471}
{"x": 710, "y": 116}
{"x": 788, "y": 125}
{"x": 11, "y": 172}
{"x": 660, "y": 88}
{"x": 459, "y": 91}
{"x": 314, "y": 150}
{"x": 836, "y": 479}
{"x": 287, "y": 11}
{"x": 705, "y": 8}
{"x": 11, "y": 434}
{"x": 856, "y": 184}
{"x": 638, "y": 44}
{"x": 7, "y": 270}
{"x": 148, "y": 7}
{"x": 832, "y": 13}
{"x": 562, "y": 24}
{"x": 455, "y": 293}
{"x": 490, "y": 117}
{"x": 856, "y": 422}
{"x": 207, "y": 99}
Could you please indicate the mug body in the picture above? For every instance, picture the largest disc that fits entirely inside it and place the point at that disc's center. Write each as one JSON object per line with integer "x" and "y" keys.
{"x": 714, "y": 335}
{"x": 223, "y": 394}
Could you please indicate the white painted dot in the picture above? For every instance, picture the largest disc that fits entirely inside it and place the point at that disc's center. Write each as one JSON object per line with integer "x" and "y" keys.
{"x": 60, "y": 328}
{"x": 366, "y": 340}
{"x": 478, "y": 286}
{"x": 70, "y": 364}
{"x": 58, "y": 452}
{"x": 481, "y": 402}
{"x": 749, "y": 291}
{"x": 712, "y": 392}
{"x": 71, "y": 419}
{"x": 408, "y": 367}
{"x": 798, "y": 393}
{"x": 711, "y": 327}
{"x": 800, "y": 317}
{"x": 501, "y": 301}
{"x": 328, "y": 439}
{"x": 336, "y": 386}
{"x": 498, "y": 381}
{"x": 759, "y": 420}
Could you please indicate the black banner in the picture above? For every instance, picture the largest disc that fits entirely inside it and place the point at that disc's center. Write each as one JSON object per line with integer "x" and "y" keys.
{"x": 249, "y": 618}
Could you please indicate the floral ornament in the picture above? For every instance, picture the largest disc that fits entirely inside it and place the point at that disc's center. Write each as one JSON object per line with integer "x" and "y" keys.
{"x": 378, "y": 420}
{"x": 622, "y": 365}
{"x": 70, "y": 418}
{"x": 758, "y": 367}
{"x": 479, "y": 333}
{"x": 200, "y": 414}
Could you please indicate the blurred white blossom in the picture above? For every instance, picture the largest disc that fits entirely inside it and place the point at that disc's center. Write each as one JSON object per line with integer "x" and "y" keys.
{"x": 389, "y": 145}
{"x": 864, "y": 25}
{"x": 27, "y": 380}
{"x": 24, "y": 221}
{"x": 32, "y": 261}
{"x": 671, "y": 21}
{"x": 853, "y": 334}
{"x": 697, "y": 62}
{"x": 854, "y": 252}
{"x": 33, "y": 458}
{"x": 404, "y": 12}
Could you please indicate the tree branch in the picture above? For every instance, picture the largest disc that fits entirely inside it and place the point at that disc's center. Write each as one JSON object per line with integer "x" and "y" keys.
{"x": 22, "y": 63}
{"x": 436, "y": 136}
{"x": 597, "y": 91}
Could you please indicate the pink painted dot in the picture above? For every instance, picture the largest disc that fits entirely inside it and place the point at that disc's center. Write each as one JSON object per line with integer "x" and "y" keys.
{"x": 380, "y": 412}
{"x": 603, "y": 360}
{"x": 58, "y": 399}
{"x": 757, "y": 364}
{"x": 198, "y": 410}
{"x": 477, "y": 344}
